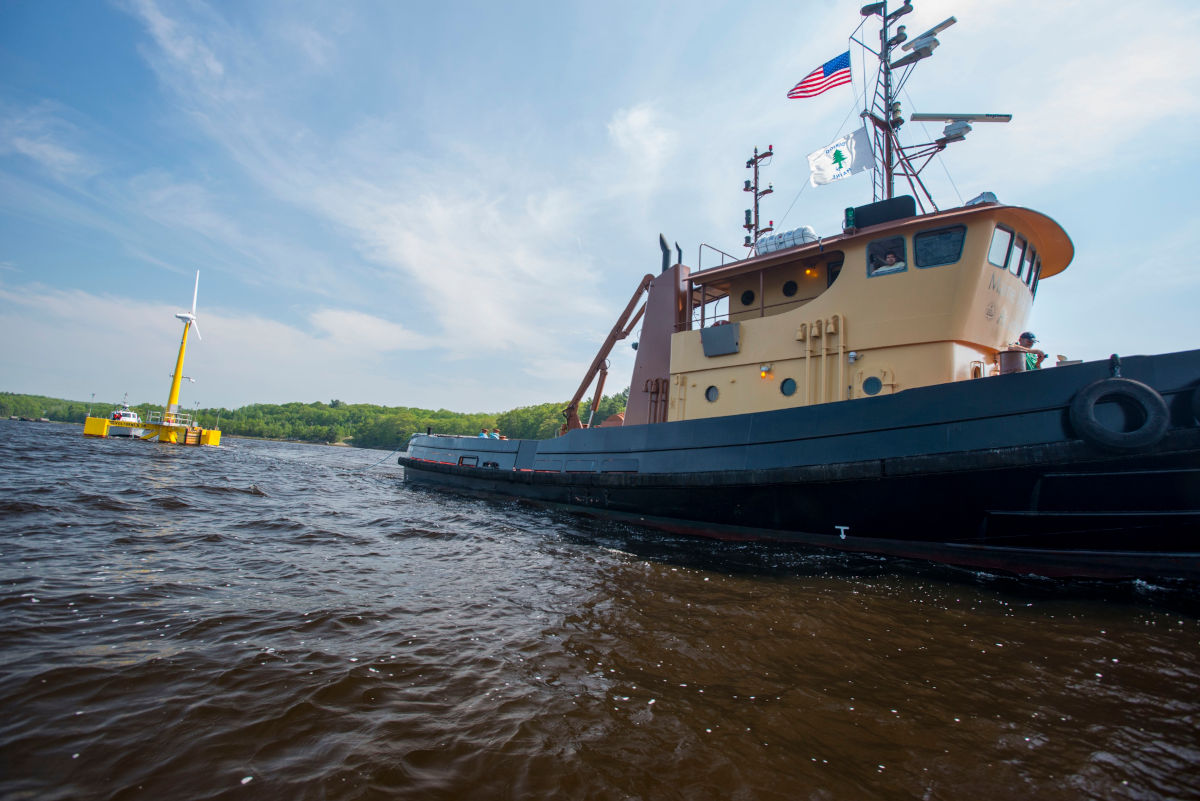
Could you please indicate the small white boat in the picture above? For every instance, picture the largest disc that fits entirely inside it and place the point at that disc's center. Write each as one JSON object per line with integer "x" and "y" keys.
{"x": 125, "y": 415}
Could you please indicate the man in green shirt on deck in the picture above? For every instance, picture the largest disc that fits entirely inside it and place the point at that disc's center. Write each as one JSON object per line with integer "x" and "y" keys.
{"x": 1033, "y": 356}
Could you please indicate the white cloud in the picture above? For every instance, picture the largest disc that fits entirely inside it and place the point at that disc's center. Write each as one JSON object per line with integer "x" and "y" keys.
{"x": 184, "y": 49}
{"x": 181, "y": 205}
{"x": 487, "y": 243}
{"x": 645, "y": 144}
{"x": 317, "y": 49}
{"x": 640, "y": 134}
{"x": 1113, "y": 103}
{"x": 365, "y": 332}
{"x": 42, "y": 134}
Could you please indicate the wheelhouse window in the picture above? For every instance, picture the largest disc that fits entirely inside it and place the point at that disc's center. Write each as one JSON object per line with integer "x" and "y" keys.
{"x": 1001, "y": 243}
{"x": 1018, "y": 256}
{"x": 1013, "y": 252}
{"x": 886, "y": 256}
{"x": 940, "y": 246}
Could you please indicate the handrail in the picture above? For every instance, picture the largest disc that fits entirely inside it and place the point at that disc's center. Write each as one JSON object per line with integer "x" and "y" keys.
{"x": 700, "y": 256}
{"x": 762, "y": 309}
{"x": 169, "y": 419}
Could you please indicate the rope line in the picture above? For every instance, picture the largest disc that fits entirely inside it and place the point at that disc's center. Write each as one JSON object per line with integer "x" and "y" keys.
{"x": 390, "y": 455}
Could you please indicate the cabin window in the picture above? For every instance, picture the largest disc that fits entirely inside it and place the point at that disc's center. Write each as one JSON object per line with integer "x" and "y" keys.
{"x": 886, "y": 256}
{"x": 872, "y": 385}
{"x": 748, "y": 297}
{"x": 468, "y": 461}
{"x": 1037, "y": 276}
{"x": 788, "y": 386}
{"x": 789, "y": 289}
{"x": 1001, "y": 244}
{"x": 832, "y": 271}
{"x": 711, "y": 394}
{"x": 939, "y": 247}
{"x": 1027, "y": 267}
{"x": 1017, "y": 256}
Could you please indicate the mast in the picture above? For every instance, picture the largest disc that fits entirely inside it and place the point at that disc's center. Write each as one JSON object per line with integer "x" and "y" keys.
{"x": 889, "y": 179}
{"x": 752, "y": 218}
{"x": 885, "y": 113}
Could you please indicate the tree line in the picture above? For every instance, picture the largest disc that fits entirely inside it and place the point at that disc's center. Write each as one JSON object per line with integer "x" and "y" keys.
{"x": 359, "y": 424}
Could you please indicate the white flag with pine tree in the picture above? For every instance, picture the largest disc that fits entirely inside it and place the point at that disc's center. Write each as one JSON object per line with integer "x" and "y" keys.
{"x": 843, "y": 158}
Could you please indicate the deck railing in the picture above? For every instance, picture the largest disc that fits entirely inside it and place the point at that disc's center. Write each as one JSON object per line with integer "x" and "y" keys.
{"x": 170, "y": 419}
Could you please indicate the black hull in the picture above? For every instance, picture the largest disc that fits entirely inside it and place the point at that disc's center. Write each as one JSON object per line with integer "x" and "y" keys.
{"x": 1062, "y": 507}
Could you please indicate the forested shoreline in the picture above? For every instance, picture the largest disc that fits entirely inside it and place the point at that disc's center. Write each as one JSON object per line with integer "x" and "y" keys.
{"x": 362, "y": 425}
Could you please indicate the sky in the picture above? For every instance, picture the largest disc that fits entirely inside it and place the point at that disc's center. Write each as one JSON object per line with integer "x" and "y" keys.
{"x": 447, "y": 205}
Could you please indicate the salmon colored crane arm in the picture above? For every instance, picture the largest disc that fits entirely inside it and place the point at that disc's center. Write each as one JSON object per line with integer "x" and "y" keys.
{"x": 620, "y": 330}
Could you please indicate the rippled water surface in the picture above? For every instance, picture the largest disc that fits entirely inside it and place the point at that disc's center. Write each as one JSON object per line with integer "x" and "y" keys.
{"x": 278, "y": 621}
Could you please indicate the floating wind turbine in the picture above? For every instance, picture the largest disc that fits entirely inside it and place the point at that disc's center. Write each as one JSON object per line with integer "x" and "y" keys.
{"x": 173, "y": 427}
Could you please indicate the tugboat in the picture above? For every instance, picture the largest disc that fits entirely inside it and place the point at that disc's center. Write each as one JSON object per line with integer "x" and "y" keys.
{"x": 870, "y": 391}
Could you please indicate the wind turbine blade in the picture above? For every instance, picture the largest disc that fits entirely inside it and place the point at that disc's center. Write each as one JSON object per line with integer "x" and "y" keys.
{"x": 196, "y": 328}
{"x": 196, "y": 292}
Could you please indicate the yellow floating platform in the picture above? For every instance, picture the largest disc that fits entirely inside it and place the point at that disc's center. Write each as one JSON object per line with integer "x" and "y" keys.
{"x": 174, "y": 433}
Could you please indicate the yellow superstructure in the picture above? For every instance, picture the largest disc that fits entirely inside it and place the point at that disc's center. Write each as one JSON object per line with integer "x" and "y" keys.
{"x": 175, "y": 433}
{"x": 834, "y": 320}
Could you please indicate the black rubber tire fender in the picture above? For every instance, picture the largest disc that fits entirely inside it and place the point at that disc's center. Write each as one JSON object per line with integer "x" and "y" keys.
{"x": 1153, "y": 408}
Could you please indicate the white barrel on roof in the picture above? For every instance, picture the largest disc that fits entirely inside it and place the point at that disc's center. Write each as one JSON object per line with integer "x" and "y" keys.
{"x": 786, "y": 239}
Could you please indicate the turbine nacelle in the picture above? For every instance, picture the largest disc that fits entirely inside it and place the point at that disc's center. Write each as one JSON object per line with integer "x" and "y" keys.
{"x": 189, "y": 318}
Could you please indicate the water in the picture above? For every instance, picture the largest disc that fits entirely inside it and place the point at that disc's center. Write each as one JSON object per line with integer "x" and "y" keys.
{"x": 276, "y": 621}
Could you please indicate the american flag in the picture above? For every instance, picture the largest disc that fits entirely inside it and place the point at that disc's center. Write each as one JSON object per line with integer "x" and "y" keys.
{"x": 834, "y": 72}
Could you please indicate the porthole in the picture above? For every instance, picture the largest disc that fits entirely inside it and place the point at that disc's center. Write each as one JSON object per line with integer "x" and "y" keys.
{"x": 788, "y": 386}
{"x": 711, "y": 394}
{"x": 747, "y": 297}
{"x": 872, "y": 385}
{"x": 789, "y": 289}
